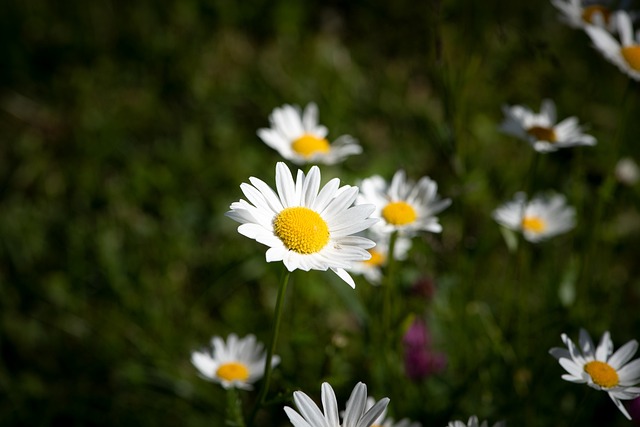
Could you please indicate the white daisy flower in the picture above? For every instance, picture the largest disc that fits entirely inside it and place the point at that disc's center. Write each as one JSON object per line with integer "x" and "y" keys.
{"x": 538, "y": 219}
{"x": 403, "y": 205}
{"x": 299, "y": 137}
{"x": 384, "y": 421}
{"x": 355, "y": 415}
{"x": 541, "y": 130}
{"x": 577, "y": 14}
{"x": 238, "y": 363}
{"x": 601, "y": 368}
{"x": 371, "y": 269}
{"x": 305, "y": 227}
{"x": 473, "y": 422}
{"x": 625, "y": 54}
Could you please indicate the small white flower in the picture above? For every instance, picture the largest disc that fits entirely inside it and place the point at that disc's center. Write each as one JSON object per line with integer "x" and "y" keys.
{"x": 627, "y": 171}
{"x": 403, "y": 205}
{"x": 238, "y": 363}
{"x": 541, "y": 130}
{"x": 600, "y": 368}
{"x": 384, "y": 421}
{"x": 371, "y": 269}
{"x": 305, "y": 227}
{"x": 299, "y": 137}
{"x": 355, "y": 414}
{"x": 578, "y": 15}
{"x": 625, "y": 54}
{"x": 538, "y": 219}
{"x": 473, "y": 422}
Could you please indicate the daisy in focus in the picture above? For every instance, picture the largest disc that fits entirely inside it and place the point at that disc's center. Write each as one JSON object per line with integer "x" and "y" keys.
{"x": 576, "y": 14}
{"x": 538, "y": 219}
{"x": 600, "y": 368}
{"x": 356, "y": 413}
{"x": 473, "y": 422}
{"x": 305, "y": 227}
{"x": 404, "y": 206}
{"x": 541, "y": 130}
{"x": 371, "y": 269}
{"x": 384, "y": 421}
{"x": 238, "y": 363}
{"x": 298, "y": 137}
{"x": 625, "y": 54}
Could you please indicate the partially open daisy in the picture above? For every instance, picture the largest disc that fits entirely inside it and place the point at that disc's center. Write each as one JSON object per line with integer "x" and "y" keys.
{"x": 473, "y": 422}
{"x": 238, "y": 363}
{"x": 538, "y": 219}
{"x": 577, "y": 14}
{"x": 403, "y": 205}
{"x": 355, "y": 415}
{"x": 600, "y": 368}
{"x": 305, "y": 227}
{"x": 299, "y": 138}
{"x": 384, "y": 421}
{"x": 541, "y": 130}
{"x": 625, "y": 54}
{"x": 371, "y": 269}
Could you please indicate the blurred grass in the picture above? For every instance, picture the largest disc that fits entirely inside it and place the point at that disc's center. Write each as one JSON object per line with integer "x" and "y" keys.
{"x": 127, "y": 128}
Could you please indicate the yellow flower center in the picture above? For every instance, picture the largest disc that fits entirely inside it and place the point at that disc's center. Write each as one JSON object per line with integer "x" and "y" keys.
{"x": 631, "y": 54}
{"x": 233, "y": 371}
{"x": 308, "y": 145}
{"x": 376, "y": 260}
{"x": 589, "y": 12}
{"x": 301, "y": 230}
{"x": 399, "y": 213}
{"x": 534, "y": 224}
{"x": 602, "y": 374}
{"x": 542, "y": 133}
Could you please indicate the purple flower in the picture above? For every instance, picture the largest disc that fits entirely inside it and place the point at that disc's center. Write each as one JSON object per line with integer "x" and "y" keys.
{"x": 420, "y": 361}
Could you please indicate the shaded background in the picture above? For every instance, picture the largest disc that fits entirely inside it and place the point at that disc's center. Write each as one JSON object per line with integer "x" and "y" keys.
{"x": 127, "y": 127}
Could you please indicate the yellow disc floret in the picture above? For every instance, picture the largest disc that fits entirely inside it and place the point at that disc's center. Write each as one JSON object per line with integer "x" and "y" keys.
{"x": 308, "y": 145}
{"x": 233, "y": 371}
{"x": 589, "y": 12}
{"x": 602, "y": 374}
{"x": 301, "y": 230}
{"x": 376, "y": 260}
{"x": 631, "y": 54}
{"x": 399, "y": 213}
{"x": 542, "y": 133}
{"x": 534, "y": 224}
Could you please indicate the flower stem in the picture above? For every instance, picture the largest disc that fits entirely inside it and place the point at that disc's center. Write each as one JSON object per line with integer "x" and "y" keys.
{"x": 284, "y": 280}
{"x": 387, "y": 307}
{"x": 234, "y": 409}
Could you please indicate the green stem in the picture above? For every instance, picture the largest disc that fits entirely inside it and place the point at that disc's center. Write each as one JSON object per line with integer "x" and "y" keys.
{"x": 284, "y": 280}
{"x": 234, "y": 409}
{"x": 387, "y": 307}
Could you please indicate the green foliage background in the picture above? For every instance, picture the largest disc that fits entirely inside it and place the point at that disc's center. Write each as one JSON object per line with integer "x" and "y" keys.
{"x": 127, "y": 127}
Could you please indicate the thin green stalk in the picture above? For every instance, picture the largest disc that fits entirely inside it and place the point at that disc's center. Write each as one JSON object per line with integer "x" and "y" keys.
{"x": 234, "y": 409}
{"x": 284, "y": 280}
{"x": 387, "y": 307}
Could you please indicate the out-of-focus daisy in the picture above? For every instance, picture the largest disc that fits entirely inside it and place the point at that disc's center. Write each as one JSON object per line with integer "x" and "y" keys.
{"x": 541, "y": 130}
{"x": 305, "y": 227}
{"x": 627, "y": 171}
{"x": 371, "y": 269}
{"x": 473, "y": 422}
{"x": 538, "y": 219}
{"x": 384, "y": 421}
{"x": 238, "y": 363}
{"x": 625, "y": 54}
{"x": 577, "y": 14}
{"x": 298, "y": 137}
{"x": 355, "y": 415}
{"x": 403, "y": 205}
{"x": 599, "y": 367}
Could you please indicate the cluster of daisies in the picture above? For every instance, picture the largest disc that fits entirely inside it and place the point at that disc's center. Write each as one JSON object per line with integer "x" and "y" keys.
{"x": 357, "y": 229}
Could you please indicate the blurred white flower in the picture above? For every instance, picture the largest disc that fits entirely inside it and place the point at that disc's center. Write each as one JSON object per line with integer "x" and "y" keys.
{"x": 625, "y": 54}
{"x": 541, "y": 130}
{"x": 238, "y": 363}
{"x": 305, "y": 227}
{"x": 577, "y": 14}
{"x": 627, "y": 171}
{"x": 600, "y": 368}
{"x": 403, "y": 205}
{"x": 355, "y": 415}
{"x": 538, "y": 219}
{"x": 473, "y": 422}
{"x": 371, "y": 269}
{"x": 298, "y": 137}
